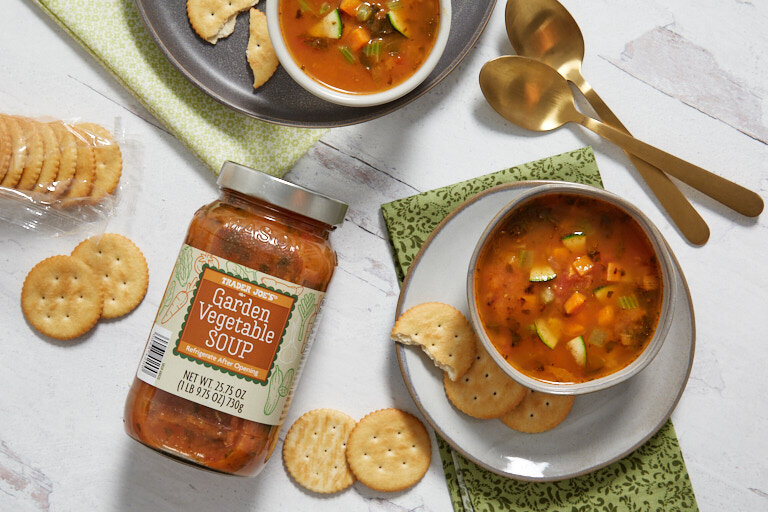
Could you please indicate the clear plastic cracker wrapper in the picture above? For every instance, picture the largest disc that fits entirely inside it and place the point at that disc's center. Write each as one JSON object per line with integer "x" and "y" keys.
{"x": 63, "y": 176}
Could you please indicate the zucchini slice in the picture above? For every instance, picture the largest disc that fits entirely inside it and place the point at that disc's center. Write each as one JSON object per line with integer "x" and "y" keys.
{"x": 545, "y": 333}
{"x": 578, "y": 350}
{"x": 575, "y": 242}
{"x": 397, "y": 19}
{"x": 603, "y": 293}
{"x": 330, "y": 26}
{"x": 542, "y": 273}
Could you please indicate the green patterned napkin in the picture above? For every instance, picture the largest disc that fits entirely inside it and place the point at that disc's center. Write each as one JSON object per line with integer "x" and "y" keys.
{"x": 114, "y": 33}
{"x": 653, "y": 477}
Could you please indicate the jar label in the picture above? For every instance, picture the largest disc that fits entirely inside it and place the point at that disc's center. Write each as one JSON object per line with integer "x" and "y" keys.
{"x": 229, "y": 337}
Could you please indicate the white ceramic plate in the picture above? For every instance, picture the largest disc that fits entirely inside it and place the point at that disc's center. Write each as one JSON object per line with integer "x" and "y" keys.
{"x": 601, "y": 428}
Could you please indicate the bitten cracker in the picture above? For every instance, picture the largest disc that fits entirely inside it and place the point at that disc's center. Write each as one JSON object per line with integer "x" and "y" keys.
{"x": 34, "y": 161}
{"x": 108, "y": 159}
{"x": 121, "y": 269}
{"x": 18, "y": 152}
{"x": 215, "y": 19}
{"x": 442, "y": 332}
{"x": 538, "y": 412}
{"x": 485, "y": 391}
{"x": 260, "y": 53}
{"x": 68, "y": 161}
{"x": 61, "y": 297}
{"x": 389, "y": 450}
{"x": 314, "y": 451}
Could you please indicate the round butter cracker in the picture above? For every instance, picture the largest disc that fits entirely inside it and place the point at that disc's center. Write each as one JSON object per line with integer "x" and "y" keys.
{"x": 389, "y": 450}
{"x": 33, "y": 164}
{"x": 314, "y": 451}
{"x": 121, "y": 269}
{"x": 108, "y": 160}
{"x": 485, "y": 391}
{"x": 61, "y": 297}
{"x": 538, "y": 412}
{"x": 51, "y": 159}
{"x": 18, "y": 152}
{"x": 68, "y": 159}
{"x": 5, "y": 149}
{"x": 85, "y": 165}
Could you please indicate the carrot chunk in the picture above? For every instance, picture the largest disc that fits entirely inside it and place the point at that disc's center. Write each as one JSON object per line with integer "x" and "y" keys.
{"x": 529, "y": 302}
{"x": 561, "y": 254}
{"x": 350, "y": 6}
{"x": 582, "y": 265}
{"x": 574, "y": 302}
{"x": 573, "y": 329}
{"x": 605, "y": 316}
{"x": 358, "y": 38}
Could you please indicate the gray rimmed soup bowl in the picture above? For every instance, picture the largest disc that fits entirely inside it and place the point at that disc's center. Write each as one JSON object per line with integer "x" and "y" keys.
{"x": 668, "y": 286}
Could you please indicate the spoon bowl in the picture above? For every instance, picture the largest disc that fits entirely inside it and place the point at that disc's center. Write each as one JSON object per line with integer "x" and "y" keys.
{"x": 528, "y": 93}
{"x": 544, "y": 30}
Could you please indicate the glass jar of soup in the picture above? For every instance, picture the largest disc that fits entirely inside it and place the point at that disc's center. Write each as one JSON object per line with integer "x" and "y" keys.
{"x": 235, "y": 323}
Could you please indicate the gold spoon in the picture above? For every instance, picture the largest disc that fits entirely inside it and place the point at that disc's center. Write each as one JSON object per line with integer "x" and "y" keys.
{"x": 534, "y": 96}
{"x": 546, "y": 31}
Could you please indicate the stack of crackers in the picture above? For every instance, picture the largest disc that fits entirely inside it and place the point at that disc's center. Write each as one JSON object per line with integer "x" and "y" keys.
{"x": 105, "y": 277}
{"x": 473, "y": 382}
{"x": 216, "y": 19}
{"x": 58, "y": 161}
{"x": 326, "y": 450}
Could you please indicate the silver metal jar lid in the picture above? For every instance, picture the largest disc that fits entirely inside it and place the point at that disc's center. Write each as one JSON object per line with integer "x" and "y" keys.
{"x": 281, "y": 193}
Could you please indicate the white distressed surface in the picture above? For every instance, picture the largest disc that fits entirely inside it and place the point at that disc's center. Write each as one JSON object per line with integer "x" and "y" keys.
{"x": 62, "y": 445}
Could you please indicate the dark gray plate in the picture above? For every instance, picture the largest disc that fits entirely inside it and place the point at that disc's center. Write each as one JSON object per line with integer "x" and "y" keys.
{"x": 222, "y": 72}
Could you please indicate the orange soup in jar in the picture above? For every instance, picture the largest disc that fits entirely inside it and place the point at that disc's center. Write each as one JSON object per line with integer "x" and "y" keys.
{"x": 228, "y": 340}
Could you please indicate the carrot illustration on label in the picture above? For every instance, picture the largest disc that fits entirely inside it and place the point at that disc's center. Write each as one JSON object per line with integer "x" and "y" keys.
{"x": 180, "y": 300}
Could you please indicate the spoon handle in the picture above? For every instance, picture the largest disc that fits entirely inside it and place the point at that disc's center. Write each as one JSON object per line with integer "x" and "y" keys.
{"x": 726, "y": 192}
{"x": 685, "y": 217}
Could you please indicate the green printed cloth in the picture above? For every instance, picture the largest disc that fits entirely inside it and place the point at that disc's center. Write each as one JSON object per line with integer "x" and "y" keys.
{"x": 112, "y": 31}
{"x": 653, "y": 477}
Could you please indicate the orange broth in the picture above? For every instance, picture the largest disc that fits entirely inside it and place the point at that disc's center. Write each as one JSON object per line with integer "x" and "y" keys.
{"x": 371, "y": 55}
{"x": 564, "y": 268}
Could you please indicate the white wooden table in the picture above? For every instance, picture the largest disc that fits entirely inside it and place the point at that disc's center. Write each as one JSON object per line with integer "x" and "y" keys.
{"x": 689, "y": 76}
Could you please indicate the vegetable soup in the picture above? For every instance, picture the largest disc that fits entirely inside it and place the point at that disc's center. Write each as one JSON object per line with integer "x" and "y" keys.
{"x": 568, "y": 288}
{"x": 359, "y": 46}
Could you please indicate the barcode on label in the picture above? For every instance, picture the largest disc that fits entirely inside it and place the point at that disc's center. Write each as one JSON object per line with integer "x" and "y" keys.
{"x": 153, "y": 354}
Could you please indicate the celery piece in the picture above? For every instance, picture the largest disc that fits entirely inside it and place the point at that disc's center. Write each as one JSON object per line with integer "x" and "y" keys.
{"x": 347, "y": 54}
{"x": 628, "y": 302}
